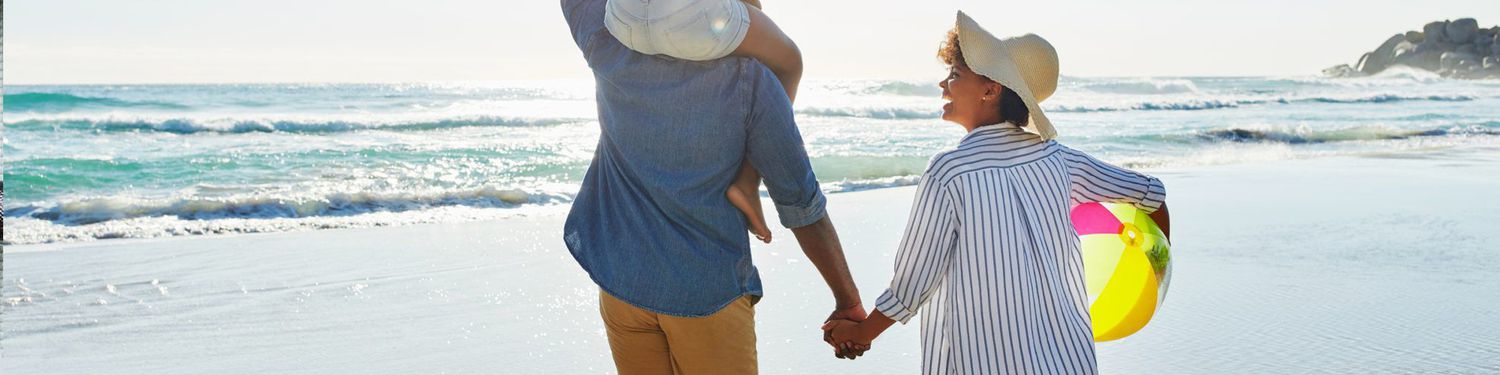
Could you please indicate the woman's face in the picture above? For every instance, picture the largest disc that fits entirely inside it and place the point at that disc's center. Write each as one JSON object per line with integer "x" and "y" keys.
{"x": 971, "y": 97}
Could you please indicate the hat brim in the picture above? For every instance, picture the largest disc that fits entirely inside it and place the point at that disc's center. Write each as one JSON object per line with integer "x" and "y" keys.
{"x": 990, "y": 57}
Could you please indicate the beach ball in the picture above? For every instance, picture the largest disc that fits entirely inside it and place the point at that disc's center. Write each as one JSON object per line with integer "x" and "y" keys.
{"x": 1127, "y": 264}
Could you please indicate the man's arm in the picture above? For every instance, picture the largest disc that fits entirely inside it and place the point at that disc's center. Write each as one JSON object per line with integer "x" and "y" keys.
{"x": 585, "y": 19}
{"x": 820, "y": 242}
{"x": 774, "y": 147}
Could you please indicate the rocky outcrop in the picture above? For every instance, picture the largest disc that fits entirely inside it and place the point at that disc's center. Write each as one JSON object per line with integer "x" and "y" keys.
{"x": 1456, "y": 49}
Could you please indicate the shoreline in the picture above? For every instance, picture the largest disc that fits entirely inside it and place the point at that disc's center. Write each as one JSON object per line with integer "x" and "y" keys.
{"x": 491, "y": 214}
{"x": 1369, "y": 264}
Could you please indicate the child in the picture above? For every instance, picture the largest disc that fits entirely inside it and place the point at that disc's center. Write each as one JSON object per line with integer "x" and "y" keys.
{"x": 702, "y": 30}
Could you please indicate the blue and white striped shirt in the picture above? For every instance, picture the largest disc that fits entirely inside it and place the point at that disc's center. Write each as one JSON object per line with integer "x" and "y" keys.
{"x": 990, "y": 258}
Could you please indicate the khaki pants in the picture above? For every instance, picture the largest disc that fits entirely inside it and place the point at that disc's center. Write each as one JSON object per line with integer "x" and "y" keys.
{"x": 648, "y": 343}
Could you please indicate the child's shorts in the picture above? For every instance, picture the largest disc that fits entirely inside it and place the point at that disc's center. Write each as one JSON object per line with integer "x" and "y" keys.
{"x": 686, "y": 29}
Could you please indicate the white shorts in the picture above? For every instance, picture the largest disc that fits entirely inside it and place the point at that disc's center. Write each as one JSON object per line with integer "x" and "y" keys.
{"x": 695, "y": 30}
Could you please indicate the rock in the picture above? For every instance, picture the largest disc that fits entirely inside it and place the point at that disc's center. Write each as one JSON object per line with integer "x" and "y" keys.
{"x": 1420, "y": 60}
{"x": 1484, "y": 40}
{"x": 1435, "y": 30}
{"x": 1365, "y": 66}
{"x": 1453, "y": 60}
{"x": 1426, "y": 46}
{"x": 1402, "y": 49}
{"x": 1425, "y": 55}
{"x": 1462, "y": 30}
{"x": 1378, "y": 60}
{"x": 1416, "y": 36}
{"x": 1456, "y": 49}
{"x": 1341, "y": 71}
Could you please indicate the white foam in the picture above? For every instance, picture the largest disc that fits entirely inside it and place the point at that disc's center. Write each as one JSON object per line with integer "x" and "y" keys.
{"x": 24, "y": 230}
{"x": 1141, "y": 86}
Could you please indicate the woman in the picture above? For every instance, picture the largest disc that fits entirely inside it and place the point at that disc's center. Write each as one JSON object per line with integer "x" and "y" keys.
{"x": 989, "y": 258}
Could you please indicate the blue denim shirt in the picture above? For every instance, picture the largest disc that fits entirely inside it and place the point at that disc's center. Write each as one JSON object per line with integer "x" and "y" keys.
{"x": 650, "y": 223}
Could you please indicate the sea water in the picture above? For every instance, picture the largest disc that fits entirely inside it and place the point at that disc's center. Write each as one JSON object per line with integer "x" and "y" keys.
{"x": 89, "y": 162}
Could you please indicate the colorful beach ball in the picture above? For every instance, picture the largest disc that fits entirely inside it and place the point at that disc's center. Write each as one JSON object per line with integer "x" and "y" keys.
{"x": 1127, "y": 264}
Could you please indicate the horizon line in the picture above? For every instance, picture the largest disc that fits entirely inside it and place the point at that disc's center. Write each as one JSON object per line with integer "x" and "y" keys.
{"x": 393, "y": 82}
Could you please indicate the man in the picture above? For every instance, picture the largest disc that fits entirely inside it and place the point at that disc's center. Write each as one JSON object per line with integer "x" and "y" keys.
{"x": 651, "y": 225}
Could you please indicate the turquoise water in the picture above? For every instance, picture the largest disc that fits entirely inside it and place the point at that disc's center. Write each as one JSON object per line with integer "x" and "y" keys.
{"x": 111, "y": 161}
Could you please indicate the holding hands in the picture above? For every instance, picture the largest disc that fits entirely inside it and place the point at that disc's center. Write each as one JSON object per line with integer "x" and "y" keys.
{"x": 841, "y": 331}
{"x": 846, "y": 339}
{"x": 850, "y": 332}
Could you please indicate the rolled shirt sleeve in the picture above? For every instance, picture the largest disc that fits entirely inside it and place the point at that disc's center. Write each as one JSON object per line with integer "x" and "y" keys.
{"x": 1096, "y": 181}
{"x": 774, "y": 147}
{"x": 585, "y": 19}
{"x": 922, "y": 261}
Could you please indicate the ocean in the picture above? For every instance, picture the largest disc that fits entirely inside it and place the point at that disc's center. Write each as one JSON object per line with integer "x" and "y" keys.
{"x": 1369, "y": 254}
{"x": 92, "y": 162}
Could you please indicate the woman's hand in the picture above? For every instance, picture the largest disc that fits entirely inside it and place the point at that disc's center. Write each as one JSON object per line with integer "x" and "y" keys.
{"x": 847, "y": 338}
{"x": 1163, "y": 221}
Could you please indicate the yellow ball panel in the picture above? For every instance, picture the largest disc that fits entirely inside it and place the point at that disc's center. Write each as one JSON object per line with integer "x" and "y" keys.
{"x": 1101, "y": 252}
{"x": 1128, "y": 299}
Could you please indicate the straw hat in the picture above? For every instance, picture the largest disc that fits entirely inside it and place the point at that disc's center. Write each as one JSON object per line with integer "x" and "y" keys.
{"x": 1026, "y": 64}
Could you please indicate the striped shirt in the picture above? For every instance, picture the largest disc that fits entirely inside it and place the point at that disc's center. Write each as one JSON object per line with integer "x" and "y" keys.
{"x": 990, "y": 258}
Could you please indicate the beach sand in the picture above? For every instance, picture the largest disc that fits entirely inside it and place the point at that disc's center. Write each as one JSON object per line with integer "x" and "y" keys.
{"x": 1377, "y": 264}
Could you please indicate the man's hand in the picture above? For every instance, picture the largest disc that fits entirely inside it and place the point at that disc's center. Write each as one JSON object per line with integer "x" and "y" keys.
{"x": 847, "y": 337}
{"x": 855, "y": 312}
{"x": 852, "y": 314}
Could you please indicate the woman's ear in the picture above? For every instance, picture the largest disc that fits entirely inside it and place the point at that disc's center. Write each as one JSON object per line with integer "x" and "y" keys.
{"x": 992, "y": 91}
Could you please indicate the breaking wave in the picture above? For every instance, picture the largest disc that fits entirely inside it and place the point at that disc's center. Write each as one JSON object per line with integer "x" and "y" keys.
{"x": 98, "y": 210}
{"x": 1144, "y": 86}
{"x": 267, "y": 125}
{"x": 1304, "y": 136}
{"x": 57, "y": 102}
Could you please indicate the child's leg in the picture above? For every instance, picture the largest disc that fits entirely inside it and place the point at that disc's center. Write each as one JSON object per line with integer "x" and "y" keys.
{"x": 765, "y": 42}
{"x": 744, "y": 193}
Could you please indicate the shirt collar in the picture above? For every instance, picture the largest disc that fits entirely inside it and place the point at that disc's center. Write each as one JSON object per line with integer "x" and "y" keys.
{"x": 1004, "y": 129}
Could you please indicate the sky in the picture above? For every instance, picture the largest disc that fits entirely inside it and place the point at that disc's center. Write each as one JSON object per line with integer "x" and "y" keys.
{"x": 234, "y": 41}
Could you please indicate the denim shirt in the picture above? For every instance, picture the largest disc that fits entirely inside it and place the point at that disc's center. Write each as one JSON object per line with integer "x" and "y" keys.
{"x": 650, "y": 223}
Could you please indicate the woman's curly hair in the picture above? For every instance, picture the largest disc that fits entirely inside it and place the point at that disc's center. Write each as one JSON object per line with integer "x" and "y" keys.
{"x": 1012, "y": 108}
